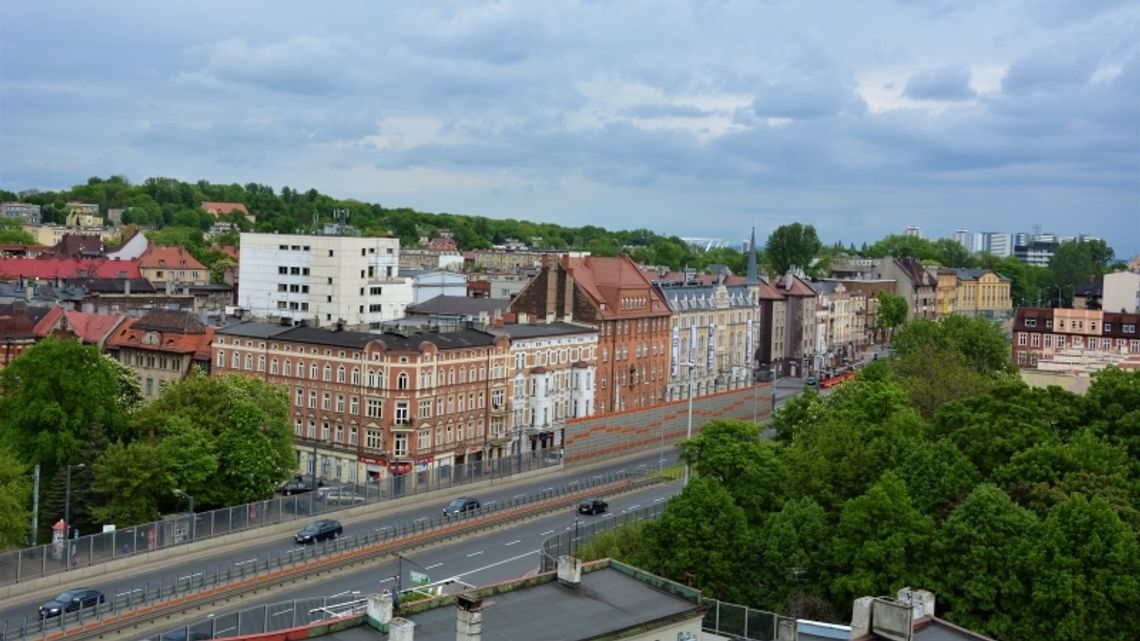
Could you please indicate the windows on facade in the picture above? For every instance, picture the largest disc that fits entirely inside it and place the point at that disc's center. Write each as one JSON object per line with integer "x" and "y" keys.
{"x": 424, "y": 440}
{"x": 221, "y": 360}
{"x": 372, "y": 440}
{"x": 425, "y": 409}
{"x": 352, "y": 435}
{"x": 400, "y": 444}
{"x": 340, "y": 403}
{"x": 300, "y": 402}
{"x": 402, "y": 381}
{"x": 402, "y": 413}
{"x": 375, "y": 408}
{"x": 313, "y": 398}
{"x": 353, "y": 405}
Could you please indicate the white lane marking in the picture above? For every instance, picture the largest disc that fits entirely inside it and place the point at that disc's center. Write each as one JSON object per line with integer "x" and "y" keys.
{"x": 514, "y": 542}
{"x": 633, "y": 507}
{"x": 277, "y": 614}
{"x": 474, "y": 554}
{"x": 496, "y": 563}
{"x": 546, "y": 533}
{"x": 433, "y": 566}
{"x": 547, "y": 489}
{"x": 189, "y": 576}
{"x": 128, "y": 592}
{"x": 340, "y": 594}
{"x": 391, "y": 578}
{"x": 253, "y": 560}
{"x": 518, "y": 496}
{"x": 659, "y": 500}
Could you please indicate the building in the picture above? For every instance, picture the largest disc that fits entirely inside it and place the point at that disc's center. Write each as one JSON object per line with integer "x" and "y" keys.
{"x": 134, "y": 247}
{"x": 552, "y": 373}
{"x": 964, "y": 238}
{"x": 632, "y": 318}
{"x": 429, "y": 259}
{"x": 841, "y": 312}
{"x": 912, "y": 231}
{"x": 1088, "y": 339}
{"x": 161, "y": 347}
{"x": 1037, "y": 251}
{"x": 976, "y": 292}
{"x": 454, "y": 312}
{"x": 50, "y": 269}
{"x": 51, "y": 234}
{"x": 914, "y": 283}
{"x": 715, "y": 333}
{"x": 26, "y": 213}
{"x": 426, "y": 285}
{"x": 500, "y": 285}
{"x": 1121, "y": 292}
{"x": 324, "y": 281}
{"x": 800, "y": 356}
{"x": 219, "y": 209}
{"x": 172, "y": 265}
{"x": 366, "y": 406}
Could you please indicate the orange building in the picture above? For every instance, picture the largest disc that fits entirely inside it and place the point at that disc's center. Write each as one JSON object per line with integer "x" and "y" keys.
{"x": 632, "y": 318}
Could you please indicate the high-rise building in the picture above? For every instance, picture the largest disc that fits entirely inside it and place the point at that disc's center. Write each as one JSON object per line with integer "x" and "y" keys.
{"x": 323, "y": 281}
{"x": 963, "y": 238}
{"x": 912, "y": 231}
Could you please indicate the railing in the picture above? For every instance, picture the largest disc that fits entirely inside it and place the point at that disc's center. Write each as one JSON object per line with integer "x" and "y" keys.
{"x": 45, "y": 560}
{"x": 151, "y": 597}
{"x": 570, "y": 541}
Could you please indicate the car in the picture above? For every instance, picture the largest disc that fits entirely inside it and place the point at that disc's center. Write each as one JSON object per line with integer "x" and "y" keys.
{"x": 339, "y": 495}
{"x": 70, "y": 601}
{"x": 592, "y": 506}
{"x": 299, "y": 485}
{"x": 319, "y": 531}
{"x": 811, "y": 381}
{"x": 460, "y": 506}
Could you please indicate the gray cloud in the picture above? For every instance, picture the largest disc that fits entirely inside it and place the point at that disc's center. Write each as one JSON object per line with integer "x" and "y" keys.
{"x": 948, "y": 83}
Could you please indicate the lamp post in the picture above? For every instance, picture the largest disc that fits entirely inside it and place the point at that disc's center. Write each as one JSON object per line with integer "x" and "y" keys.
{"x": 181, "y": 494}
{"x": 772, "y": 410}
{"x": 689, "y": 426}
{"x": 67, "y": 514}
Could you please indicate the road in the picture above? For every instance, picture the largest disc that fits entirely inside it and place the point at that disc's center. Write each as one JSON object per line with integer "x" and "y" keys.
{"x": 14, "y": 610}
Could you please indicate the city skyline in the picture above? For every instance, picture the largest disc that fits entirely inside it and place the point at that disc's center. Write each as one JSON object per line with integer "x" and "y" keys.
{"x": 698, "y": 119}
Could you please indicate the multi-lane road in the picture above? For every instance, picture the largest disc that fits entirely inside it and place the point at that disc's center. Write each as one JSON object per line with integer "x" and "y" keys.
{"x": 478, "y": 559}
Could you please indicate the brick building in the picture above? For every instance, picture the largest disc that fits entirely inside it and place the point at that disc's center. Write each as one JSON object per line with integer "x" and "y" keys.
{"x": 161, "y": 347}
{"x": 1088, "y": 335}
{"x": 632, "y": 318}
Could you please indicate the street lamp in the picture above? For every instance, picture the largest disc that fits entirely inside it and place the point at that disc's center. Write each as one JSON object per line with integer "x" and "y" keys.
{"x": 67, "y": 514}
{"x": 772, "y": 410}
{"x": 689, "y": 428}
{"x": 181, "y": 494}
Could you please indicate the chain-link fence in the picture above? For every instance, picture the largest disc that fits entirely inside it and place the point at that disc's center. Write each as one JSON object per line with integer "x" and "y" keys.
{"x": 44, "y": 560}
{"x": 148, "y": 595}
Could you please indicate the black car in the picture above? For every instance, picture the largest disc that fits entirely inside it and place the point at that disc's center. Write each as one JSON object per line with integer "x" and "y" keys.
{"x": 319, "y": 531}
{"x": 592, "y": 506}
{"x": 461, "y": 505}
{"x": 299, "y": 485}
{"x": 71, "y": 601}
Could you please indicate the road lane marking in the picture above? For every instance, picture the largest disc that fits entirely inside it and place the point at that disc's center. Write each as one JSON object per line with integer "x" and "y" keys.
{"x": 433, "y": 566}
{"x": 514, "y": 542}
{"x": 496, "y": 563}
{"x": 474, "y": 554}
{"x": 391, "y": 578}
{"x": 128, "y": 592}
{"x": 546, "y": 533}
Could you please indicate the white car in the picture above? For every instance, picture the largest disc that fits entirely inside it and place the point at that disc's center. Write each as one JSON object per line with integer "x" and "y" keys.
{"x": 339, "y": 495}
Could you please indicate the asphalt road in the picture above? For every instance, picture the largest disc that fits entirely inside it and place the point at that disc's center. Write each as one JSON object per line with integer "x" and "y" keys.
{"x": 14, "y": 610}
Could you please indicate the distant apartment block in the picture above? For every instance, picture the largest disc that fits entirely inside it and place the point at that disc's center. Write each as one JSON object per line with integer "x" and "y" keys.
{"x": 963, "y": 238}
{"x": 322, "y": 281}
{"x": 27, "y": 213}
{"x": 912, "y": 231}
{"x": 1121, "y": 292}
{"x": 1086, "y": 339}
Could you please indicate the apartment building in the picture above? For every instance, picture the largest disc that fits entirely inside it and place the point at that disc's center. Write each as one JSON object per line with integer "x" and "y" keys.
{"x": 632, "y": 318}
{"x": 27, "y": 213}
{"x": 914, "y": 283}
{"x": 173, "y": 265}
{"x": 980, "y": 292}
{"x": 1041, "y": 334}
{"x": 800, "y": 356}
{"x": 552, "y": 373}
{"x": 366, "y": 406}
{"x": 1121, "y": 292}
{"x": 716, "y": 329}
{"x": 839, "y": 323}
{"x": 161, "y": 347}
{"x": 322, "y": 280}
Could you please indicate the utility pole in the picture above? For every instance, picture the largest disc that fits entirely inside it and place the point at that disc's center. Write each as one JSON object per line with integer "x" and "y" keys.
{"x": 35, "y": 503}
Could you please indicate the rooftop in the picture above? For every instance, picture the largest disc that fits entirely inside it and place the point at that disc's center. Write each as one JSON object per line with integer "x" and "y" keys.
{"x": 558, "y": 328}
{"x": 459, "y": 306}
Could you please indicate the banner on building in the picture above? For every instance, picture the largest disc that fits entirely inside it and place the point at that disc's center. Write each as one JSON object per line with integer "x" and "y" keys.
{"x": 692, "y": 345}
{"x": 712, "y": 347}
{"x": 676, "y": 350}
{"x": 748, "y": 351}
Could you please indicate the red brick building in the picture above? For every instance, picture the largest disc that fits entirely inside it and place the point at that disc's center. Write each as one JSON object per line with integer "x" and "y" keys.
{"x": 372, "y": 405}
{"x": 632, "y": 318}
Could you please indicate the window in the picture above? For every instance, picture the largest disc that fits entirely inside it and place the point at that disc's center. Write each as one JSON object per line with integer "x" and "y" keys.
{"x": 1036, "y": 340}
{"x": 356, "y": 376}
{"x": 261, "y": 362}
{"x": 1129, "y": 328}
{"x": 339, "y": 433}
{"x": 273, "y": 367}
{"x": 400, "y": 445}
{"x": 313, "y": 398}
{"x": 325, "y": 431}
{"x": 1107, "y": 327}
{"x": 328, "y": 372}
{"x": 375, "y": 408}
{"x": 424, "y": 440}
{"x": 326, "y": 401}
{"x": 352, "y": 435}
{"x": 340, "y": 374}
{"x": 425, "y": 408}
{"x": 372, "y": 440}
{"x": 249, "y": 362}
{"x": 402, "y": 413}
{"x": 354, "y": 405}
{"x": 221, "y": 362}
{"x": 300, "y": 397}
{"x": 312, "y": 431}
{"x": 340, "y": 403}
{"x": 313, "y": 371}
{"x": 402, "y": 381}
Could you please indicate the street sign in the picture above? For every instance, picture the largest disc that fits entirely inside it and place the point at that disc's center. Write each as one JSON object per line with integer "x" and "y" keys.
{"x": 419, "y": 578}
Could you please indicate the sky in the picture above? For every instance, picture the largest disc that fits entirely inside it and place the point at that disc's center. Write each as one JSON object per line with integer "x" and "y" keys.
{"x": 689, "y": 118}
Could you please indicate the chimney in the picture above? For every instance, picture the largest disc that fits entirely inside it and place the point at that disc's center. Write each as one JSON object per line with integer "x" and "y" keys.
{"x": 551, "y": 286}
{"x": 469, "y": 623}
{"x": 380, "y": 609}
{"x": 401, "y": 630}
{"x": 921, "y": 601}
{"x": 29, "y": 291}
{"x": 569, "y": 571}
{"x": 126, "y": 287}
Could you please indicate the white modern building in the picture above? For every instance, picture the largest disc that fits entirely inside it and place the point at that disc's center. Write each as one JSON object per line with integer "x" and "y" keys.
{"x": 426, "y": 284}
{"x": 323, "y": 281}
{"x": 1121, "y": 293}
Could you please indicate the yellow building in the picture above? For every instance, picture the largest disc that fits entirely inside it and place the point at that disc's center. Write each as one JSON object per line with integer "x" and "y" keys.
{"x": 982, "y": 292}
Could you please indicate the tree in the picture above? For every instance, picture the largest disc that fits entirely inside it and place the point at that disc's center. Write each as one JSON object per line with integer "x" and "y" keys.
{"x": 791, "y": 246}
{"x": 56, "y": 395}
{"x": 937, "y": 475}
{"x": 702, "y": 539}
{"x": 952, "y": 253}
{"x": 130, "y": 481}
{"x": 793, "y": 547}
{"x": 731, "y": 452}
{"x": 982, "y": 579}
{"x": 882, "y": 543}
{"x": 15, "y": 499}
{"x": 1078, "y": 262}
{"x": 235, "y": 425}
{"x": 892, "y": 311}
{"x": 902, "y": 245}
{"x": 12, "y": 231}
{"x": 1086, "y": 583}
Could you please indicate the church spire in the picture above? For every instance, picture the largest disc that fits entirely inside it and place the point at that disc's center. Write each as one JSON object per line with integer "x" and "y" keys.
{"x": 752, "y": 279}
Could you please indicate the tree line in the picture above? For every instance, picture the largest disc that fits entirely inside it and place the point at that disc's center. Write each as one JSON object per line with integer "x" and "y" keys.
{"x": 934, "y": 469}
{"x": 223, "y": 440}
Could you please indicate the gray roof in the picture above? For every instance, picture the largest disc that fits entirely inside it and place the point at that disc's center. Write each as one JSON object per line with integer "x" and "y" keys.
{"x": 251, "y": 329}
{"x": 974, "y": 273}
{"x": 607, "y": 601}
{"x": 686, "y": 297}
{"x": 460, "y": 306}
{"x": 557, "y": 328}
{"x": 398, "y": 342}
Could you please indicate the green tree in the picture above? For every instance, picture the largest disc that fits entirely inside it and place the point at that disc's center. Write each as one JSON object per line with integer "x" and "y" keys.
{"x": 882, "y": 543}
{"x": 937, "y": 475}
{"x": 902, "y": 245}
{"x": 891, "y": 313}
{"x": 12, "y": 231}
{"x": 731, "y": 452}
{"x": 56, "y": 395}
{"x": 130, "y": 481}
{"x": 793, "y": 245}
{"x": 1086, "y": 583}
{"x": 1111, "y": 408}
{"x": 952, "y": 253}
{"x": 793, "y": 547}
{"x": 981, "y": 578}
{"x": 702, "y": 539}
{"x": 15, "y": 500}
{"x": 624, "y": 544}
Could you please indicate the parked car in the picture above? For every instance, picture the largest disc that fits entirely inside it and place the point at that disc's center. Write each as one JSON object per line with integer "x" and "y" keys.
{"x": 319, "y": 531}
{"x": 339, "y": 495}
{"x": 461, "y": 505}
{"x": 811, "y": 381}
{"x": 70, "y": 601}
{"x": 299, "y": 485}
{"x": 592, "y": 506}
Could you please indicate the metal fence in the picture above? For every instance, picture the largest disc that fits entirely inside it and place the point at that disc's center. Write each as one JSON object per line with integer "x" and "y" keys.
{"x": 570, "y": 541}
{"x": 739, "y": 621}
{"x": 44, "y": 560}
{"x": 209, "y": 578}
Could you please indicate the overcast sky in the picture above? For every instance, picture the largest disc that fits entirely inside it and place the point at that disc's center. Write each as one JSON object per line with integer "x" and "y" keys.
{"x": 696, "y": 119}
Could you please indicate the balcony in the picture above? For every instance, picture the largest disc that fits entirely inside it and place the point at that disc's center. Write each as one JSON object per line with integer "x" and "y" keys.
{"x": 498, "y": 409}
{"x": 402, "y": 425}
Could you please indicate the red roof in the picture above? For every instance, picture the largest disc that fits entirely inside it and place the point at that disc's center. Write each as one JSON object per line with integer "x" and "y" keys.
{"x": 194, "y": 342}
{"x": 156, "y": 257}
{"x": 796, "y": 287}
{"x": 92, "y": 328}
{"x": 50, "y": 268}
{"x": 607, "y": 281}
{"x": 224, "y": 208}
